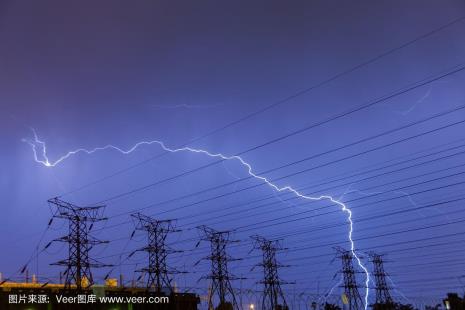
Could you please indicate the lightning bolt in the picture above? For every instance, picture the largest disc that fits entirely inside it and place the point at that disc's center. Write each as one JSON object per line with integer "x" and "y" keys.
{"x": 44, "y": 160}
{"x": 186, "y": 106}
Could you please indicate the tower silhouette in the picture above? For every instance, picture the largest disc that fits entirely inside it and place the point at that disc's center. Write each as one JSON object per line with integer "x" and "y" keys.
{"x": 157, "y": 271}
{"x": 351, "y": 295}
{"x": 220, "y": 277}
{"x": 81, "y": 221}
{"x": 384, "y": 300}
{"x": 273, "y": 297}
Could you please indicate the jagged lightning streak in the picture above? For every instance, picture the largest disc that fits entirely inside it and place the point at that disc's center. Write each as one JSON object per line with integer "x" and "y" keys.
{"x": 44, "y": 160}
{"x": 186, "y": 106}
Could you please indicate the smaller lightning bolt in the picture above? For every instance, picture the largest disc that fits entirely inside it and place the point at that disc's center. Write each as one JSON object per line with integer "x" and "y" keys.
{"x": 34, "y": 144}
{"x": 186, "y": 106}
{"x": 419, "y": 101}
{"x": 401, "y": 193}
{"x": 44, "y": 160}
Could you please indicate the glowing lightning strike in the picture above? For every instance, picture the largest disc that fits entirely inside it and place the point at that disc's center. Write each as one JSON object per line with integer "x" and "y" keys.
{"x": 46, "y": 162}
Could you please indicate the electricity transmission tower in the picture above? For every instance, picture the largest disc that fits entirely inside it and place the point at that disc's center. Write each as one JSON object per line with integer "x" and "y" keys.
{"x": 157, "y": 270}
{"x": 351, "y": 295}
{"x": 273, "y": 297}
{"x": 81, "y": 221}
{"x": 384, "y": 299}
{"x": 220, "y": 276}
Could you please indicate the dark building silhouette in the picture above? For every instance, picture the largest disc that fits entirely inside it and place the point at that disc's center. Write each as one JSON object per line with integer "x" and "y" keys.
{"x": 454, "y": 302}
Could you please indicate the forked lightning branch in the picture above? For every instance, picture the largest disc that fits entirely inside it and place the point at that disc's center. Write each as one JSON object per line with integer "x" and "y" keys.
{"x": 39, "y": 150}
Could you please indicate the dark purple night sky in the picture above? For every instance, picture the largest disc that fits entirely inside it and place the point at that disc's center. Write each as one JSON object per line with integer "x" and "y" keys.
{"x": 93, "y": 73}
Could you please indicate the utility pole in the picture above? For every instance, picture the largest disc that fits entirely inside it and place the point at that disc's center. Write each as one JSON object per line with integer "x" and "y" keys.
{"x": 351, "y": 294}
{"x": 158, "y": 273}
{"x": 273, "y": 297}
{"x": 384, "y": 299}
{"x": 81, "y": 221}
{"x": 220, "y": 276}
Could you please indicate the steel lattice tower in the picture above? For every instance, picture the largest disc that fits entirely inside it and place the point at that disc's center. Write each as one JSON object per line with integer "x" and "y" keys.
{"x": 157, "y": 250}
{"x": 80, "y": 242}
{"x": 220, "y": 276}
{"x": 383, "y": 296}
{"x": 273, "y": 297}
{"x": 350, "y": 286}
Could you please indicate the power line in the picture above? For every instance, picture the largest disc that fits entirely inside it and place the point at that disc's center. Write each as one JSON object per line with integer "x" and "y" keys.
{"x": 222, "y": 216}
{"x": 249, "y": 226}
{"x": 400, "y": 211}
{"x": 354, "y": 207}
{"x": 298, "y": 172}
{"x": 253, "y": 114}
{"x": 377, "y": 236}
{"x": 397, "y": 93}
{"x": 346, "y": 177}
{"x": 429, "y": 118}
{"x": 415, "y": 159}
{"x": 457, "y": 221}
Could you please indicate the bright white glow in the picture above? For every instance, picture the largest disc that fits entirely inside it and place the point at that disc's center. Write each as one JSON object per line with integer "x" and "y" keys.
{"x": 44, "y": 160}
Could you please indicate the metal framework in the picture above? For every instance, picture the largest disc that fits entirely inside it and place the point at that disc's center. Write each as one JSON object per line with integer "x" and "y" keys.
{"x": 383, "y": 295}
{"x": 352, "y": 295}
{"x": 157, "y": 271}
{"x": 273, "y": 297}
{"x": 220, "y": 276}
{"x": 81, "y": 221}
